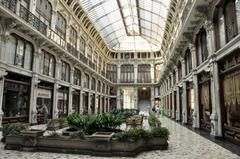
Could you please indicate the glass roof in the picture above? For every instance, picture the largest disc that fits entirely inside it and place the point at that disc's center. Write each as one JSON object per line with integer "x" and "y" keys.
{"x": 129, "y": 25}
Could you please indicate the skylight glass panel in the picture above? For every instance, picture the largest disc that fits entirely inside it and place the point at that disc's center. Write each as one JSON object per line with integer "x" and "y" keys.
{"x": 129, "y": 24}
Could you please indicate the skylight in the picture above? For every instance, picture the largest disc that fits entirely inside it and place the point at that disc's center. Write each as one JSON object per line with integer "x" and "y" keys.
{"x": 129, "y": 25}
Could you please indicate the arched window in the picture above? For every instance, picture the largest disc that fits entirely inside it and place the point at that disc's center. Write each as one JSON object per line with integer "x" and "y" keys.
{"x": 65, "y": 71}
{"x": 230, "y": 19}
{"x": 44, "y": 11}
{"x": 179, "y": 70}
{"x": 188, "y": 61}
{"x": 77, "y": 77}
{"x": 112, "y": 72}
{"x": 47, "y": 64}
{"x": 127, "y": 73}
{"x": 93, "y": 86}
{"x": 201, "y": 45}
{"x": 144, "y": 73}
{"x": 61, "y": 26}
{"x": 19, "y": 52}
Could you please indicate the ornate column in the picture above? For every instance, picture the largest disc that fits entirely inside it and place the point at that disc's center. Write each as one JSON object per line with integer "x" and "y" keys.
{"x": 222, "y": 28}
{"x": 173, "y": 101}
{"x": 136, "y": 97}
{"x": 194, "y": 55}
{"x": 2, "y": 74}
{"x": 81, "y": 102}
{"x": 118, "y": 73}
{"x": 34, "y": 88}
{"x": 196, "y": 101}
{"x": 177, "y": 95}
{"x": 210, "y": 37}
{"x": 152, "y": 97}
{"x": 178, "y": 104}
{"x": 89, "y": 102}
{"x": 152, "y": 73}
{"x": 118, "y": 98}
{"x": 216, "y": 121}
{"x": 135, "y": 73}
{"x": 184, "y": 103}
{"x": 70, "y": 93}
{"x": 237, "y": 4}
{"x": 55, "y": 89}
{"x": 96, "y": 97}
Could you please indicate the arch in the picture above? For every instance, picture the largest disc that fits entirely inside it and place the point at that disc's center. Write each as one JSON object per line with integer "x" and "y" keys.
{"x": 201, "y": 46}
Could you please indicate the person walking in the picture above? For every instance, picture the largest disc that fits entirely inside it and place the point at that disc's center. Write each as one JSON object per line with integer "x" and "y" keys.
{"x": 44, "y": 111}
{"x": 157, "y": 111}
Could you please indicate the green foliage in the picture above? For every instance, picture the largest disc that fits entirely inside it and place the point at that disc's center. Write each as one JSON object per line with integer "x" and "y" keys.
{"x": 133, "y": 135}
{"x": 126, "y": 113}
{"x": 152, "y": 120}
{"x": 13, "y": 129}
{"x": 94, "y": 123}
{"x": 160, "y": 132}
{"x": 62, "y": 122}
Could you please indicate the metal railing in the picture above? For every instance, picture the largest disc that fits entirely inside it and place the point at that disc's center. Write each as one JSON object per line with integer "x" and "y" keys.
{"x": 92, "y": 65}
{"x": 10, "y": 4}
{"x": 34, "y": 21}
{"x": 56, "y": 38}
{"x": 83, "y": 58}
{"x": 72, "y": 50}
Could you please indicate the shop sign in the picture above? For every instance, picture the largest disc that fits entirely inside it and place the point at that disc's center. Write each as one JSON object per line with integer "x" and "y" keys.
{"x": 43, "y": 93}
{"x": 62, "y": 96}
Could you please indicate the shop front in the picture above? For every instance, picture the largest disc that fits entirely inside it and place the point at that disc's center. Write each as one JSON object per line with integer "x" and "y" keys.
{"x": 16, "y": 98}
{"x": 76, "y": 101}
{"x": 230, "y": 96}
{"x": 205, "y": 106}
{"x": 63, "y": 101}
{"x": 44, "y": 98}
{"x": 190, "y": 103}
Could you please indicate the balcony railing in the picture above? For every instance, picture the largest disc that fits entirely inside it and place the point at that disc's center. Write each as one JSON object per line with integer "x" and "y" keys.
{"x": 10, "y": 4}
{"x": 92, "y": 65}
{"x": 34, "y": 21}
{"x": 144, "y": 80}
{"x": 83, "y": 58}
{"x": 72, "y": 50}
{"x": 56, "y": 38}
{"x": 103, "y": 73}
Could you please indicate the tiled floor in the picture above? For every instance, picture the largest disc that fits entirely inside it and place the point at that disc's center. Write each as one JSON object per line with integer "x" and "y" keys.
{"x": 183, "y": 144}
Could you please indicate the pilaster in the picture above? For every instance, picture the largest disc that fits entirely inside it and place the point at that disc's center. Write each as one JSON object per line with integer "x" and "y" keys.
{"x": 184, "y": 103}
{"x": 2, "y": 74}
{"x": 216, "y": 121}
{"x": 196, "y": 101}
{"x": 135, "y": 73}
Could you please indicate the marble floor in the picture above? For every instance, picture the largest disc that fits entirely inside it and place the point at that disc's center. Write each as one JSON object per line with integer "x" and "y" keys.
{"x": 183, "y": 144}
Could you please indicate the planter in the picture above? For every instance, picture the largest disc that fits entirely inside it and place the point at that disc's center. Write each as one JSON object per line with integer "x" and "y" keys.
{"x": 102, "y": 136}
{"x": 53, "y": 125}
{"x": 32, "y": 133}
{"x": 69, "y": 132}
{"x": 88, "y": 146}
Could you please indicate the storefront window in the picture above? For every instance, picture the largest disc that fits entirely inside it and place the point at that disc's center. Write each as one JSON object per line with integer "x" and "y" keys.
{"x": 76, "y": 101}
{"x": 63, "y": 102}
{"x": 44, "y": 97}
{"x": 16, "y": 99}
